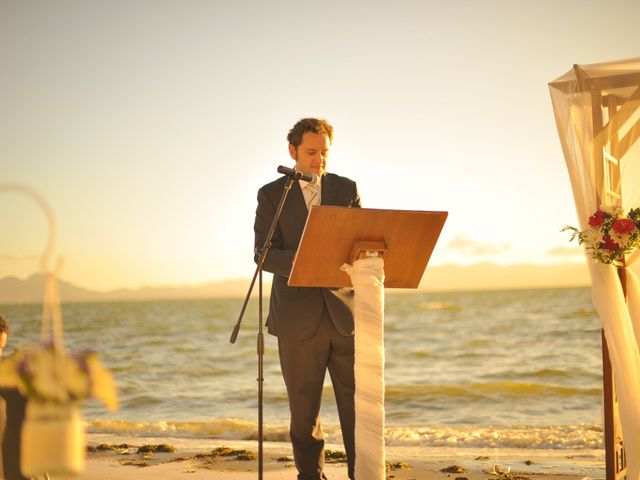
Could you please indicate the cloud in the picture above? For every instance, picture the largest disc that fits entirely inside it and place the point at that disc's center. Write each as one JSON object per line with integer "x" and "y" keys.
{"x": 565, "y": 251}
{"x": 470, "y": 246}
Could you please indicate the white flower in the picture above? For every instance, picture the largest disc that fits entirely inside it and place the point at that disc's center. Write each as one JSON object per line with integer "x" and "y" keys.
{"x": 591, "y": 236}
{"x": 613, "y": 210}
{"x": 103, "y": 386}
{"x": 44, "y": 376}
{"x": 57, "y": 376}
{"x": 621, "y": 239}
{"x": 74, "y": 378}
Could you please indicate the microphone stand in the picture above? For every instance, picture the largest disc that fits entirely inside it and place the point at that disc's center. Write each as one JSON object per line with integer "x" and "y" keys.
{"x": 264, "y": 250}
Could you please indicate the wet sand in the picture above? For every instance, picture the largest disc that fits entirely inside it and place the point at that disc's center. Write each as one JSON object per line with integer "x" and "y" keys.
{"x": 238, "y": 461}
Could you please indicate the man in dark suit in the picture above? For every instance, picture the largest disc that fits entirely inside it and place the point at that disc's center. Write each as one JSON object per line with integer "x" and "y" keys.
{"x": 314, "y": 326}
{"x": 12, "y": 413}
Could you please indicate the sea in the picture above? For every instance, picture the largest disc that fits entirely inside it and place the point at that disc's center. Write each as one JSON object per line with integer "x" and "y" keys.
{"x": 484, "y": 369}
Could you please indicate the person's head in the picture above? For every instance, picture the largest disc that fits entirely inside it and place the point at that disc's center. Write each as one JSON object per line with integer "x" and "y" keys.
{"x": 309, "y": 143}
{"x": 4, "y": 332}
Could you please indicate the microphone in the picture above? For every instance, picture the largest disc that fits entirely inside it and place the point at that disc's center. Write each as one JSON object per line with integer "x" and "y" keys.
{"x": 297, "y": 175}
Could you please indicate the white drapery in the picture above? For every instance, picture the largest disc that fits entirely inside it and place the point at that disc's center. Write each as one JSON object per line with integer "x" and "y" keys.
{"x": 367, "y": 278}
{"x": 583, "y": 149}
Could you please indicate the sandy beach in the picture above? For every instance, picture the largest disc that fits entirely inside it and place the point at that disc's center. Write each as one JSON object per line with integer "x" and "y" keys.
{"x": 237, "y": 460}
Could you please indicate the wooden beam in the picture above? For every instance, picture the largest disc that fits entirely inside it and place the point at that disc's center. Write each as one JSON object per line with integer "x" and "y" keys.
{"x": 598, "y": 159}
{"x": 585, "y": 83}
{"x": 615, "y": 469}
{"x": 625, "y": 144}
{"x": 609, "y": 419}
{"x": 617, "y": 118}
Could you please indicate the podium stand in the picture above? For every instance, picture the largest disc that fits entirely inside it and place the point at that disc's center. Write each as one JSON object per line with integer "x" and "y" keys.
{"x": 335, "y": 235}
{"x": 368, "y": 249}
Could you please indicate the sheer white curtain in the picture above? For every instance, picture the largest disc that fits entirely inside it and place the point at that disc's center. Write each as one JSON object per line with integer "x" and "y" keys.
{"x": 620, "y": 319}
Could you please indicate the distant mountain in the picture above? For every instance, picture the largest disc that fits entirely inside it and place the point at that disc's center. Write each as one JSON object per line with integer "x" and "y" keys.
{"x": 489, "y": 276}
{"x": 450, "y": 277}
{"x": 219, "y": 289}
{"x": 31, "y": 290}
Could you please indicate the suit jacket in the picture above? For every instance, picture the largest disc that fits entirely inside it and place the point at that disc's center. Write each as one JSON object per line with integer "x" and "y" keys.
{"x": 296, "y": 311}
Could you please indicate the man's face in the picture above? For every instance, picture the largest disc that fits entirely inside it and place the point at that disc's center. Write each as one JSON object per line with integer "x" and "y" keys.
{"x": 311, "y": 155}
{"x": 3, "y": 339}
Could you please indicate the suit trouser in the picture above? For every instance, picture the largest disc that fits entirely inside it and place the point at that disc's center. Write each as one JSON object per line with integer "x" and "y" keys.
{"x": 3, "y": 424}
{"x": 15, "y": 413}
{"x": 303, "y": 364}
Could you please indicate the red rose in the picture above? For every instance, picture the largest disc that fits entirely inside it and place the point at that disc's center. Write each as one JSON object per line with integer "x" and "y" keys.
{"x": 609, "y": 244}
{"x": 623, "y": 225}
{"x": 597, "y": 219}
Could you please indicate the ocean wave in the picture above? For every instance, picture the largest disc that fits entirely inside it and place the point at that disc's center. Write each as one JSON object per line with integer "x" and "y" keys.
{"x": 442, "y": 306}
{"x": 550, "y": 373}
{"x": 488, "y": 389}
{"x": 223, "y": 428}
{"x": 581, "y": 313}
{"x": 539, "y": 437}
{"x": 143, "y": 400}
{"x": 546, "y": 437}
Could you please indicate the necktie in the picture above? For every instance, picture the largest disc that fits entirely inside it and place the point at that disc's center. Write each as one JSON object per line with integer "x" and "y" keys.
{"x": 313, "y": 196}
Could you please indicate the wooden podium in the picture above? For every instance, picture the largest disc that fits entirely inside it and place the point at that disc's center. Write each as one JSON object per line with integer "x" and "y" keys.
{"x": 335, "y": 235}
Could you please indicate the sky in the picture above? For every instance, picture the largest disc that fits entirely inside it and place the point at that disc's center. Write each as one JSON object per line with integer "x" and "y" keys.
{"x": 149, "y": 126}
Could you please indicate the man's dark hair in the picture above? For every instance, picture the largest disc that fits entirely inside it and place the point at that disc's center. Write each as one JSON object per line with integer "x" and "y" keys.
{"x": 315, "y": 125}
{"x": 4, "y": 326}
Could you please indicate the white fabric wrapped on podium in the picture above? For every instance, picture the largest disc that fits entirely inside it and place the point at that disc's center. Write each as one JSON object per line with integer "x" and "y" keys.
{"x": 367, "y": 278}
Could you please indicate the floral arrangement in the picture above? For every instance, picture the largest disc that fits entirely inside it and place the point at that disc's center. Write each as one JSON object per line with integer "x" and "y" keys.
{"x": 49, "y": 375}
{"x": 612, "y": 233}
